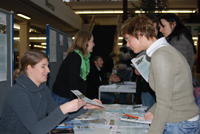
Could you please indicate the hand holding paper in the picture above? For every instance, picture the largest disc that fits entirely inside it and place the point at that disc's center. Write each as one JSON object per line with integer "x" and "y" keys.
{"x": 91, "y": 102}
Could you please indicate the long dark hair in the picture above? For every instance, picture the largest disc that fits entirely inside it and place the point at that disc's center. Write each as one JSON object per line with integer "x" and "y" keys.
{"x": 178, "y": 29}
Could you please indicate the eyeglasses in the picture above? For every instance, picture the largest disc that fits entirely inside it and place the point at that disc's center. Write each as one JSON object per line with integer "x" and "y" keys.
{"x": 127, "y": 39}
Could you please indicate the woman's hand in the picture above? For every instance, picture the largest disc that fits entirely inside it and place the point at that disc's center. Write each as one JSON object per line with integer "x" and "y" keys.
{"x": 148, "y": 116}
{"x": 72, "y": 106}
{"x": 91, "y": 106}
{"x": 136, "y": 72}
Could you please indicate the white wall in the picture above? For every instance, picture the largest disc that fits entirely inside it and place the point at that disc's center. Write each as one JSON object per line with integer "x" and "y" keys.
{"x": 62, "y": 11}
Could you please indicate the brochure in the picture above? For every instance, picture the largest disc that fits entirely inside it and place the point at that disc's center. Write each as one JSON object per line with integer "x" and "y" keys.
{"x": 131, "y": 118}
{"x": 81, "y": 96}
{"x": 142, "y": 65}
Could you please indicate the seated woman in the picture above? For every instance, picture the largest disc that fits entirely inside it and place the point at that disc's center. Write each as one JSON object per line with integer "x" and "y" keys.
{"x": 175, "y": 111}
{"x": 29, "y": 100}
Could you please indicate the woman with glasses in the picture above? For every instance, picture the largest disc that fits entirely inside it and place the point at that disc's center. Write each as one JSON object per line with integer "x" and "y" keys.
{"x": 175, "y": 111}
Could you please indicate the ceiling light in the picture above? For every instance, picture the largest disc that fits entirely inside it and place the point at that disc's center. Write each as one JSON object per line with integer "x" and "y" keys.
{"x": 170, "y": 11}
{"x": 120, "y": 38}
{"x": 43, "y": 43}
{"x": 195, "y": 38}
{"x": 38, "y": 46}
{"x": 32, "y": 38}
{"x": 100, "y": 12}
{"x": 37, "y": 38}
{"x": 23, "y": 16}
{"x": 120, "y": 44}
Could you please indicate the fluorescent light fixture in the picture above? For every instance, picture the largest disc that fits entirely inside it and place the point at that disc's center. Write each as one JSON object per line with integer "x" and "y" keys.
{"x": 195, "y": 38}
{"x": 32, "y": 38}
{"x": 23, "y": 16}
{"x": 120, "y": 38}
{"x": 100, "y": 12}
{"x": 37, "y": 38}
{"x": 120, "y": 44}
{"x": 44, "y": 43}
{"x": 170, "y": 11}
{"x": 39, "y": 46}
{"x": 16, "y": 38}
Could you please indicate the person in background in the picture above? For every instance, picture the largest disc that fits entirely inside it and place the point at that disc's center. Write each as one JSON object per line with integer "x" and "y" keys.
{"x": 125, "y": 69}
{"x": 29, "y": 107}
{"x": 109, "y": 65}
{"x": 72, "y": 74}
{"x": 170, "y": 78}
{"x": 16, "y": 74}
{"x": 178, "y": 36}
{"x": 97, "y": 78}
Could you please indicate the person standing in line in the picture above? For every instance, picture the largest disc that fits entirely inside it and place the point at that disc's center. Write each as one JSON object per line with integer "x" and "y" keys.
{"x": 29, "y": 107}
{"x": 178, "y": 36}
{"x": 72, "y": 74}
{"x": 125, "y": 69}
{"x": 97, "y": 78}
{"x": 175, "y": 110}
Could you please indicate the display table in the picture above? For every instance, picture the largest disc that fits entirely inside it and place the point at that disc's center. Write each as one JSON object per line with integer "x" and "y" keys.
{"x": 125, "y": 87}
{"x": 105, "y": 121}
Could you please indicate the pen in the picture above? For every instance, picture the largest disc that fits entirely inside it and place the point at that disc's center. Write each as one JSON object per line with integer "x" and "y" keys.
{"x": 132, "y": 116}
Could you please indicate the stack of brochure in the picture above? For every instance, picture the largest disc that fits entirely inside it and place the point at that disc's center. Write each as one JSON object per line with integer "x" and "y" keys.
{"x": 132, "y": 118}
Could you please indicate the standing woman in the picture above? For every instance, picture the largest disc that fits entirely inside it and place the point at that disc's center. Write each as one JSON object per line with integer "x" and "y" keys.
{"x": 175, "y": 110}
{"x": 29, "y": 100}
{"x": 74, "y": 69}
{"x": 178, "y": 36}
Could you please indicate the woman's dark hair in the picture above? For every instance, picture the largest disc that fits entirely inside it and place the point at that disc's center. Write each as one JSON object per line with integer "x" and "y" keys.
{"x": 178, "y": 29}
{"x": 31, "y": 57}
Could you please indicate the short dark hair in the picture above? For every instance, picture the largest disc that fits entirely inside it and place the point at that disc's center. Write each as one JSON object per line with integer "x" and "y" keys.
{"x": 140, "y": 23}
{"x": 96, "y": 58}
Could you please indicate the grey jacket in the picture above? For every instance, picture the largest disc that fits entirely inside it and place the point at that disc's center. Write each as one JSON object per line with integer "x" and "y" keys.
{"x": 26, "y": 106}
{"x": 170, "y": 78}
{"x": 184, "y": 46}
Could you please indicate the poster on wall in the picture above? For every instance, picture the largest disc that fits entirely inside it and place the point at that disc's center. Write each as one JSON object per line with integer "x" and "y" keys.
{"x": 52, "y": 46}
{"x": 3, "y": 47}
{"x": 69, "y": 42}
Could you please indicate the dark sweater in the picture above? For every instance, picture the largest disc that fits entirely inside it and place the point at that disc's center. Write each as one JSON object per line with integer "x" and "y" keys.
{"x": 68, "y": 77}
{"x": 25, "y": 109}
{"x": 94, "y": 82}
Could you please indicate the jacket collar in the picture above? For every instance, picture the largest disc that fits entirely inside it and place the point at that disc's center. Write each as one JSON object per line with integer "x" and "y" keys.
{"x": 27, "y": 83}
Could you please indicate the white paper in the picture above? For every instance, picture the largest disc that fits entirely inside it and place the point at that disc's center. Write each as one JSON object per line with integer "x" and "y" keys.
{"x": 3, "y": 48}
{"x": 142, "y": 65}
{"x": 52, "y": 46}
{"x": 81, "y": 96}
{"x": 135, "y": 119}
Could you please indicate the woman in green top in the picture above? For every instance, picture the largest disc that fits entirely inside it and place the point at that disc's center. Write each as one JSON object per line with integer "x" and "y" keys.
{"x": 72, "y": 74}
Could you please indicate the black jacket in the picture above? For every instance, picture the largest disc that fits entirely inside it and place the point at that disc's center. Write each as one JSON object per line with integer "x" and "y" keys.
{"x": 94, "y": 82}
{"x": 68, "y": 77}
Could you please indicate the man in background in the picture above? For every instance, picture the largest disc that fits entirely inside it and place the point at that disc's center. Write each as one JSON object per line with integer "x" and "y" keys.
{"x": 97, "y": 78}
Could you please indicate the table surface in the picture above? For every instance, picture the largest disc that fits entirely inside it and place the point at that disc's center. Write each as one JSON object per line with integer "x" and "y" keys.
{"x": 113, "y": 122}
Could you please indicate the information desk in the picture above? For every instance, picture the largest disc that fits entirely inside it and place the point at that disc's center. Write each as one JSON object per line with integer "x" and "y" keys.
{"x": 106, "y": 121}
{"x": 126, "y": 87}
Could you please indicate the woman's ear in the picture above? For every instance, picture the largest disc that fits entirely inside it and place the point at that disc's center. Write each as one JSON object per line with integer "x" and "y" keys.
{"x": 173, "y": 24}
{"x": 29, "y": 68}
